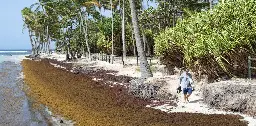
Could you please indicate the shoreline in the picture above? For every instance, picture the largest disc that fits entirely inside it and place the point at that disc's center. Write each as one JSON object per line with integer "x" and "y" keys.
{"x": 99, "y": 82}
{"x": 14, "y": 103}
{"x": 40, "y": 115}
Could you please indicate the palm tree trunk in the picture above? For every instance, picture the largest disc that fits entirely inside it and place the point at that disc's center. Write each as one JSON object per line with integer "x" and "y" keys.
{"x": 48, "y": 46}
{"x": 174, "y": 14}
{"x": 112, "y": 16}
{"x": 39, "y": 42}
{"x": 86, "y": 39}
{"x": 68, "y": 49}
{"x": 34, "y": 45}
{"x": 67, "y": 53}
{"x": 48, "y": 41}
{"x": 144, "y": 67}
{"x": 144, "y": 41}
{"x": 210, "y": 2}
{"x": 85, "y": 30}
{"x": 44, "y": 47}
{"x": 123, "y": 32}
{"x": 134, "y": 45}
{"x": 31, "y": 41}
{"x": 149, "y": 49}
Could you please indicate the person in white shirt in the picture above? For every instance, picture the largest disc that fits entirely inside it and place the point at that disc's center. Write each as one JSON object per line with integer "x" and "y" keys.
{"x": 186, "y": 84}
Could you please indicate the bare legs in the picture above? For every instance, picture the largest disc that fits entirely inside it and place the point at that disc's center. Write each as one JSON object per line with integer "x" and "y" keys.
{"x": 187, "y": 92}
{"x": 186, "y": 97}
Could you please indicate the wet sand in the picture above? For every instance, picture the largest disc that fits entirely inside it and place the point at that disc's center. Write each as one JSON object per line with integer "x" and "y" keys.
{"x": 15, "y": 108}
{"x": 77, "y": 97}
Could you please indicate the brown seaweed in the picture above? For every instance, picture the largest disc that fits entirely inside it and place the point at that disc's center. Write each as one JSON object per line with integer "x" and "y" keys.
{"x": 90, "y": 103}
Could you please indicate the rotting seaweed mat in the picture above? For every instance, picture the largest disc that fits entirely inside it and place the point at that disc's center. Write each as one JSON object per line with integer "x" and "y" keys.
{"x": 90, "y": 103}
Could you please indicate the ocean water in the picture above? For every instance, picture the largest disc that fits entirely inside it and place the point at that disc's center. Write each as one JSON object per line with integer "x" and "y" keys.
{"x": 13, "y": 55}
{"x": 15, "y": 106}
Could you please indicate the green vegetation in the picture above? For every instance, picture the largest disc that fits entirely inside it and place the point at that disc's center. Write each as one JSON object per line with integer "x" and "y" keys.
{"x": 77, "y": 26}
{"x": 215, "y": 40}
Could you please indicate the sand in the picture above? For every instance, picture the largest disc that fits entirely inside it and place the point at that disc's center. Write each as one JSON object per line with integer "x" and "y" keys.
{"x": 77, "y": 97}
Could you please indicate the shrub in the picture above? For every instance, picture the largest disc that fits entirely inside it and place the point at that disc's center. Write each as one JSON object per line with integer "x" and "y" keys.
{"x": 215, "y": 40}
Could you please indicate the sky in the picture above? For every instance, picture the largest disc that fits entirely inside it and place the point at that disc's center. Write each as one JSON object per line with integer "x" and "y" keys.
{"x": 11, "y": 24}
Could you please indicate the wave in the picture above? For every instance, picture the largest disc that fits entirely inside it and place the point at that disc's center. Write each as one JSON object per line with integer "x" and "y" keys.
{"x": 13, "y": 51}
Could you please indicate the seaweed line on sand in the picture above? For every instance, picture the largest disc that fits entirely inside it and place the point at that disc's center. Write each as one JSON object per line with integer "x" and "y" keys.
{"x": 87, "y": 102}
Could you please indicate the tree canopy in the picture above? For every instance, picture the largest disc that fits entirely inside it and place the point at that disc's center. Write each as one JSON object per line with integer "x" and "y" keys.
{"x": 78, "y": 27}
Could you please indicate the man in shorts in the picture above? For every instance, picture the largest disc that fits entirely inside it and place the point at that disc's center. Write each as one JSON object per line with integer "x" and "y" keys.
{"x": 186, "y": 84}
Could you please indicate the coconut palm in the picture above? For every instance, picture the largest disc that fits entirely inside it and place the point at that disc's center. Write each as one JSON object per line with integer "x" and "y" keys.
{"x": 43, "y": 5}
{"x": 33, "y": 21}
{"x": 144, "y": 66}
{"x": 86, "y": 4}
{"x": 27, "y": 18}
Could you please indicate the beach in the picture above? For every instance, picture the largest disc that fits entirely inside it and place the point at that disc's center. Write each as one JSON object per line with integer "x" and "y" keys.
{"x": 55, "y": 92}
{"x": 128, "y": 63}
{"x": 89, "y": 97}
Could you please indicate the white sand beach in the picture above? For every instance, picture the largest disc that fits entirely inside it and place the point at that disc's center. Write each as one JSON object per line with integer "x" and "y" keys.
{"x": 195, "y": 105}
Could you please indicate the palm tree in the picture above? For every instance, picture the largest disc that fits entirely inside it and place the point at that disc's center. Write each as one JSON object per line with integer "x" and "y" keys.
{"x": 144, "y": 39}
{"x": 144, "y": 66}
{"x": 87, "y": 4}
{"x": 43, "y": 6}
{"x": 32, "y": 20}
{"x": 123, "y": 31}
{"x": 112, "y": 16}
{"x": 85, "y": 30}
{"x": 113, "y": 5}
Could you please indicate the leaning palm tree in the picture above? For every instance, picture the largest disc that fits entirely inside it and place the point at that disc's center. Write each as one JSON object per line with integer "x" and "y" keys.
{"x": 144, "y": 66}
{"x": 33, "y": 22}
{"x": 27, "y": 15}
{"x": 44, "y": 6}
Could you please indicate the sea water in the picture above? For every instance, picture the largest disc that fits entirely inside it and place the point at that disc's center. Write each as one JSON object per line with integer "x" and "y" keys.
{"x": 13, "y": 55}
{"x": 15, "y": 106}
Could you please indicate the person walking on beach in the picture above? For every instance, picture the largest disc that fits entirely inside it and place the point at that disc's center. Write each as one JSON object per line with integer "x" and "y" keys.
{"x": 186, "y": 84}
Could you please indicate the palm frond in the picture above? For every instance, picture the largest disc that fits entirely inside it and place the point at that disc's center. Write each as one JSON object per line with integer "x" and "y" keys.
{"x": 91, "y": 3}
